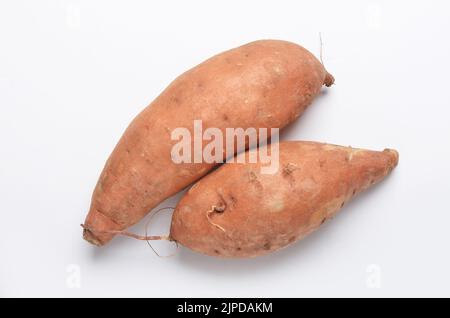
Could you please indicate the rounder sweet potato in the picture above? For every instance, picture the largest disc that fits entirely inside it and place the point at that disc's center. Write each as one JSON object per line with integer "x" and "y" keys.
{"x": 236, "y": 211}
{"x": 263, "y": 84}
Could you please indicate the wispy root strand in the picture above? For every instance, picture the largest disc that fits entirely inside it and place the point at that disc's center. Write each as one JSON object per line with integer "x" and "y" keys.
{"x": 145, "y": 237}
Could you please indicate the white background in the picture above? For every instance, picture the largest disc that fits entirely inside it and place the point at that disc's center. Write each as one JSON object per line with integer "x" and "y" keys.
{"x": 74, "y": 73}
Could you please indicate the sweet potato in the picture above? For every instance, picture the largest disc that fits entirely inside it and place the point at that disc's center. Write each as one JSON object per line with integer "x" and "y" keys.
{"x": 236, "y": 211}
{"x": 265, "y": 83}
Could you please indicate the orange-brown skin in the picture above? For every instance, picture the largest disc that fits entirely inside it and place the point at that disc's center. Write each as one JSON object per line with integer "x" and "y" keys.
{"x": 238, "y": 212}
{"x": 266, "y": 83}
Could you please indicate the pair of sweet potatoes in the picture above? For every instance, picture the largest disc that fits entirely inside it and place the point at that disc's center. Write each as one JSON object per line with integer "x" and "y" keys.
{"x": 235, "y": 211}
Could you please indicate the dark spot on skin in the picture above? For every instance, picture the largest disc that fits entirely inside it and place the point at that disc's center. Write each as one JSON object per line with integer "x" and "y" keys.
{"x": 199, "y": 84}
{"x": 246, "y": 54}
{"x": 221, "y": 206}
{"x": 288, "y": 169}
{"x": 342, "y": 205}
{"x": 216, "y": 251}
{"x": 225, "y": 117}
{"x": 266, "y": 246}
{"x": 128, "y": 151}
{"x": 323, "y": 221}
{"x": 291, "y": 239}
{"x": 238, "y": 249}
{"x": 287, "y": 173}
{"x": 372, "y": 181}
{"x": 321, "y": 163}
{"x": 175, "y": 99}
{"x": 354, "y": 192}
{"x": 253, "y": 178}
{"x": 233, "y": 200}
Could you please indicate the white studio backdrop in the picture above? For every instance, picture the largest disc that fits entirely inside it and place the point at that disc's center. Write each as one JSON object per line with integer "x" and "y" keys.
{"x": 74, "y": 73}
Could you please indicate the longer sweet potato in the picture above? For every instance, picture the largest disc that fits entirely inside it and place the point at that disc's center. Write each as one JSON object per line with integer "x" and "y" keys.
{"x": 236, "y": 211}
{"x": 264, "y": 84}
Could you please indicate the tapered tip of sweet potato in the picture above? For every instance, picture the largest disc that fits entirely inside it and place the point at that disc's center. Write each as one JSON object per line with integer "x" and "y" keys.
{"x": 91, "y": 238}
{"x": 394, "y": 156}
{"x": 96, "y": 239}
{"x": 329, "y": 80}
{"x": 97, "y": 226}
